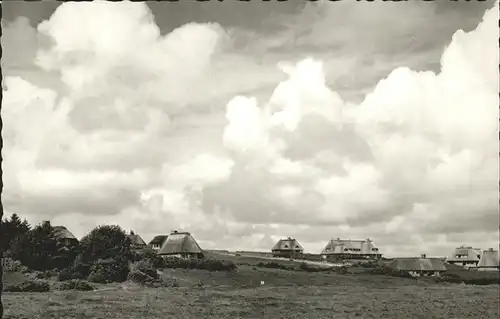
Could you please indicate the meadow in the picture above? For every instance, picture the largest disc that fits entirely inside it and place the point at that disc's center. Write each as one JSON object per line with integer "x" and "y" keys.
{"x": 257, "y": 291}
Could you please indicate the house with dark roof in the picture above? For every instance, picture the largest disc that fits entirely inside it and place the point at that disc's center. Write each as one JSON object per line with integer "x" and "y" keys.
{"x": 64, "y": 237}
{"x": 489, "y": 261}
{"x": 136, "y": 241}
{"x": 419, "y": 266}
{"x": 157, "y": 242}
{"x": 351, "y": 249}
{"x": 181, "y": 244}
{"x": 465, "y": 256}
{"x": 288, "y": 247}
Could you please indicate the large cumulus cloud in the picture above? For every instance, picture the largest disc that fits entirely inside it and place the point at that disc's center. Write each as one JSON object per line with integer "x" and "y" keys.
{"x": 133, "y": 131}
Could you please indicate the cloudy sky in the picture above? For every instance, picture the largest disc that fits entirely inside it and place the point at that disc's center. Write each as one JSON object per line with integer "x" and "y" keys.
{"x": 246, "y": 122}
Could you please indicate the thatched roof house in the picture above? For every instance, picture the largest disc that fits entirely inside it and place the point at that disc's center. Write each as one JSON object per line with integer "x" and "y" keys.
{"x": 489, "y": 261}
{"x": 157, "y": 242}
{"x": 64, "y": 236}
{"x": 181, "y": 244}
{"x": 421, "y": 266}
{"x": 288, "y": 247}
{"x": 136, "y": 241}
{"x": 465, "y": 256}
{"x": 347, "y": 248}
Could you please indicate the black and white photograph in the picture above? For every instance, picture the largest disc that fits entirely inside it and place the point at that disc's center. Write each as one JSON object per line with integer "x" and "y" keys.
{"x": 250, "y": 159}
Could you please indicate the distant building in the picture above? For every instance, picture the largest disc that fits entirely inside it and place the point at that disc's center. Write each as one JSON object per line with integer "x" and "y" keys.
{"x": 419, "y": 266}
{"x": 288, "y": 248}
{"x": 157, "y": 242}
{"x": 136, "y": 242}
{"x": 64, "y": 237}
{"x": 489, "y": 261}
{"x": 466, "y": 257}
{"x": 181, "y": 244}
{"x": 351, "y": 249}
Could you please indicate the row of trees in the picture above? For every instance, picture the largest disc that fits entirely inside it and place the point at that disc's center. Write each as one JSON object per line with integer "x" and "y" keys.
{"x": 102, "y": 255}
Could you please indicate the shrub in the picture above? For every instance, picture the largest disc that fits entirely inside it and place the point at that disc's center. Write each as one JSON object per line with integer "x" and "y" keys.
{"x": 69, "y": 274}
{"x": 105, "y": 242}
{"x": 470, "y": 278}
{"x": 47, "y": 274}
{"x": 11, "y": 265}
{"x": 142, "y": 278}
{"x": 482, "y": 281}
{"x": 146, "y": 267}
{"x": 80, "y": 267}
{"x": 149, "y": 255}
{"x": 388, "y": 271}
{"x": 369, "y": 264}
{"x": 312, "y": 268}
{"x": 206, "y": 264}
{"x": 217, "y": 265}
{"x": 76, "y": 285}
{"x": 274, "y": 265}
{"x": 29, "y": 286}
{"x": 109, "y": 270}
{"x": 105, "y": 253}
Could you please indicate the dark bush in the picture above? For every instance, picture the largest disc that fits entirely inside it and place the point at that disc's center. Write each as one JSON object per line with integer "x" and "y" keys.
{"x": 217, "y": 265}
{"x": 69, "y": 274}
{"x": 388, "y": 271}
{"x": 206, "y": 264}
{"x": 10, "y": 265}
{"x": 370, "y": 264}
{"x": 142, "y": 278}
{"x": 105, "y": 242}
{"x": 146, "y": 266}
{"x": 274, "y": 265}
{"x": 75, "y": 284}
{"x": 109, "y": 270}
{"x": 312, "y": 268}
{"x": 482, "y": 281}
{"x": 470, "y": 278}
{"x": 80, "y": 267}
{"x": 29, "y": 286}
{"x": 149, "y": 255}
{"x": 105, "y": 254}
{"x": 47, "y": 274}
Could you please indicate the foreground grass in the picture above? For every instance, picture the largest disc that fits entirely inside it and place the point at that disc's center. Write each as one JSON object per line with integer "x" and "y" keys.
{"x": 285, "y": 294}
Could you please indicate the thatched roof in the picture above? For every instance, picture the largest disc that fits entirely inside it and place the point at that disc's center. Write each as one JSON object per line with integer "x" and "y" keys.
{"x": 418, "y": 264}
{"x": 464, "y": 253}
{"x": 61, "y": 232}
{"x": 291, "y": 244}
{"x": 348, "y": 246}
{"x": 158, "y": 240}
{"x": 489, "y": 259}
{"x": 180, "y": 243}
{"x": 136, "y": 240}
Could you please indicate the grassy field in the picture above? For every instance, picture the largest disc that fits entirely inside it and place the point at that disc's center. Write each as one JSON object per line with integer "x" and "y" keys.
{"x": 284, "y": 294}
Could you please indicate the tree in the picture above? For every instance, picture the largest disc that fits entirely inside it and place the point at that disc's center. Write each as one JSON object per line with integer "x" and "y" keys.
{"x": 105, "y": 253}
{"x": 12, "y": 229}
{"x": 37, "y": 248}
{"x": 103, "y": 242}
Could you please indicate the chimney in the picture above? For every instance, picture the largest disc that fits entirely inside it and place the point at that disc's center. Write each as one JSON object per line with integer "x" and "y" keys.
{"x": 423, "y": 256}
